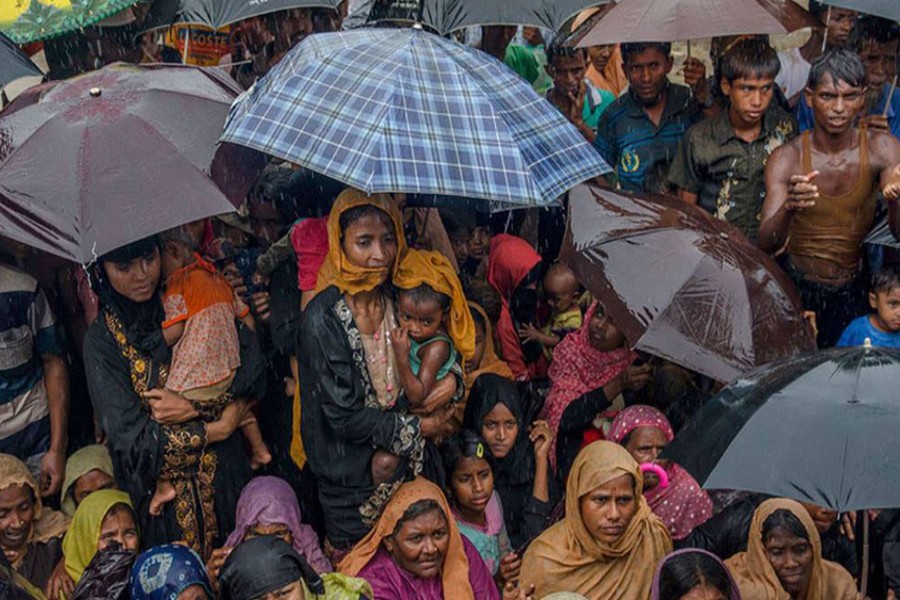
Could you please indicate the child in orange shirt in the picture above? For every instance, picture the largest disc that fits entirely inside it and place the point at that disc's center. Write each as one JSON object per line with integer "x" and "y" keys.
{"x": 200, "y": 311}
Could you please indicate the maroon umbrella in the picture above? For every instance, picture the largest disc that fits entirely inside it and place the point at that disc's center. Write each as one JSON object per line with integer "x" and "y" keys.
{"x": 682, "y": 285}
{"x": 676, "y": 20}
{"x": 109, "y": 157}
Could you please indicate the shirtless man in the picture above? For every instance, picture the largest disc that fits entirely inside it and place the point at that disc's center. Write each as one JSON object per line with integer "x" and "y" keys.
{"x": 822, "y": 194}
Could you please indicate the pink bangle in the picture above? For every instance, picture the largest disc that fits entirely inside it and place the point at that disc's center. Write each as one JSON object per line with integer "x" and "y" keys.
{"x": 658, "y": 471}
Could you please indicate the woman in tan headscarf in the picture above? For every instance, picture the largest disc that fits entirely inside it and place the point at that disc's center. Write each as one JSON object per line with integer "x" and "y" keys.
{"x": 30, "y": 535}
{"x": 609, "y": 542}
{"x": 784, "y": 561}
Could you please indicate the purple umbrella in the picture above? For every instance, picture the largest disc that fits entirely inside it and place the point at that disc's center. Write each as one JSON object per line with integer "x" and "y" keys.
{"x": 110, "y": 157}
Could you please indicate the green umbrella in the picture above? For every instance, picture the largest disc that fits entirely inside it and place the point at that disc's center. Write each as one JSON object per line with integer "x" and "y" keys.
{"x": 31, "y": 20}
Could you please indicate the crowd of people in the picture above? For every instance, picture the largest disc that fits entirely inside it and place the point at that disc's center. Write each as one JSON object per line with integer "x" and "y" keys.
{"x": 336, "y": 395}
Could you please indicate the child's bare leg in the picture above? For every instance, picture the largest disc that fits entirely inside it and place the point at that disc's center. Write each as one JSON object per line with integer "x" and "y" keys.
{"x": 384, "y": 464}
{"x": 259, "y": 452}
{"x": 164, "y": 492}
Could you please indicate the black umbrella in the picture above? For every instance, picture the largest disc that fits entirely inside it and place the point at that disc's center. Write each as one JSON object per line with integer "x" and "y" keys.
{"x": 13, "y": 62}
{"x": 818, "y": 427}
{"x": 887, "y": 9}
{"x": 446, "y": 16}
{"x": 220, "y": 13}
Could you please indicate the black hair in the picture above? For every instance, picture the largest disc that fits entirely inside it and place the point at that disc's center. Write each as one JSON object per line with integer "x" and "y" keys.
{"x": 683, "y": 572}
{"x": 842, "y": 64}
{"x": 457, "y": 221}
{"x": 352, "y": 215}
{"x": 416, "y": 510}
{"x": 749, "y": 58}
{"x": 885, "y": 279}
{"x": 560, "y": 50}
{"x": 315, "y": 192}
{"x": 818, "y": 10}
{"x": 478, "y": 318}
{"x": 276, "y": 186}
{"x": 630, "y": 49}
{"x": 873, "y": 29}
{"x": 786, "y": 519}
{"x": 486, "y": 296}
{"x": 465, "y": 444}
{"x": 129, "y": 252}
{"x": 425, "y": 293}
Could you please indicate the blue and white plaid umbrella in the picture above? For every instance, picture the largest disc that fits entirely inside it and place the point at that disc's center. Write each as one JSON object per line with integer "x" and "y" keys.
{"x": 390, "y": 110}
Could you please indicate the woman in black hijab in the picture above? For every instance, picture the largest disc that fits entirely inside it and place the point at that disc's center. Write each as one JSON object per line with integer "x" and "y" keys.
{"x": 267, "y": 566}
{"x": 522, "y": 475}
{"x": 126, "y": 363}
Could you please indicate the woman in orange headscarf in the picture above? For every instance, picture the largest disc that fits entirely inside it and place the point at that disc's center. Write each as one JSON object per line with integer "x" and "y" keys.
{"x": 398, "y": 568}
{"x": 348, "y": 377}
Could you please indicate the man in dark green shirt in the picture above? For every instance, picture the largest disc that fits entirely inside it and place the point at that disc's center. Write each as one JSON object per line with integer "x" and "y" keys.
{"x": 720, "y": 163}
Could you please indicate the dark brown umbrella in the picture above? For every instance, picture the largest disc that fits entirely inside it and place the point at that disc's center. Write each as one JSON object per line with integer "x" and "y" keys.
{"x": 95, "y": 162}
{"x": 675, "y": 20}
{"x": 682, "y": 285}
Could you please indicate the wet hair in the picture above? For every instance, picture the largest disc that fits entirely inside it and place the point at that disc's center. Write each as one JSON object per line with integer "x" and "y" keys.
{"x": 478, "y": 318}
{"x": 315, "y": 192}
{"x": 465, "y": 444}
{"x": 457, "y": 221}
{"x": 277, "y": 186}
{"x": 416, "y": 510}
{"x": 131, "y": 251}
{"x": 786, "y": 519}
{"x": 630, "y": 49}
{"x": 484, "y": 295}
{"x": 425, "y": 293}
{"x": 872, "y": 29}
{"x": 352, "y": 215}
{"x": 842, "y": 64}
{"x": 885, "y": 279}
{"x": 180, "y": 236}
{"x": 749, "y": 58}
{"x": 818, "y": 10}
{"x": 559, "y": 50}
{"x": 683, "y": 572}
{"x": 120, "y": 507}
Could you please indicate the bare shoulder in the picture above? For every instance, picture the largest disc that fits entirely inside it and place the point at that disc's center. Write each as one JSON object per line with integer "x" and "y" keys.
{"x": 884, "y": 149}
{"x": 786, "y": 158}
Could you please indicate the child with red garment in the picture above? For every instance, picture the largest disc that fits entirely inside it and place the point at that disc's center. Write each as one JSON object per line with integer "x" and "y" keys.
{"x": 200, "y": 310}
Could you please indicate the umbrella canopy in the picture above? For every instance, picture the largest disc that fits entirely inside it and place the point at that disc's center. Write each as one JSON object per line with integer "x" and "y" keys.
{"x": 27, "y": 21}
{"x": 887, "y": 9}
{"x": 813, "y": 427}
{"x": 388, "y": 110}
{"x": 221, "y": 13}
{"x": 446, "y": 16}
{"x": 682, "y": 285}
{"x": 13, "y": 62}
{"x": 95, "y": 162}
{"x": 675, "y": 20}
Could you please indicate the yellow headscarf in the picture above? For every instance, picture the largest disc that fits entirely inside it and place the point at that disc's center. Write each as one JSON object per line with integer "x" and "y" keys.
{"x": 567, "y": 558}
{"x": 340, "y": 272}
{"x": 47, "y": 524}
{"x": 434, "y": 269}
{"x": 454, "y": 575}
{"x": 80, "y": 543}
{"x": 89, "y": 458}
{"x": 756, "y": 578}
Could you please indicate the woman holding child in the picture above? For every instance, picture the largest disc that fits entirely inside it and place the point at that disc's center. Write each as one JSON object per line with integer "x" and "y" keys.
{"x": 127, "y": 362}
{"x": 360, "y": 428}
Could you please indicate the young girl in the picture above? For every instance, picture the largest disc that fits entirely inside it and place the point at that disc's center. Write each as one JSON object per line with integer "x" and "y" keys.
{"x": 435, "y": 326}
{"x": 200, "y": 311}
{"x": 476, "y": 507}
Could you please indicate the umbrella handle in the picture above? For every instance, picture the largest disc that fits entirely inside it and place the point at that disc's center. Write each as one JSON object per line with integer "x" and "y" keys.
{"x": 890, "y": 96}
{"x": 864, "y": 573}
